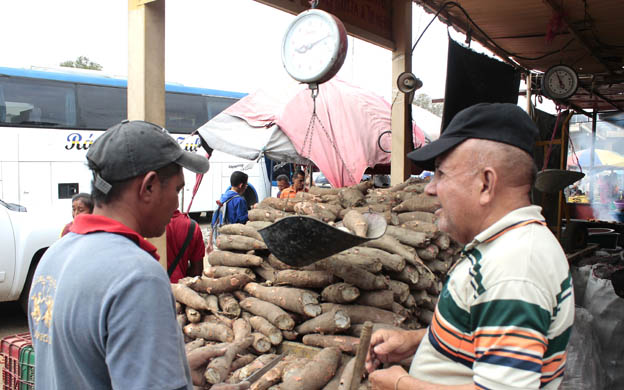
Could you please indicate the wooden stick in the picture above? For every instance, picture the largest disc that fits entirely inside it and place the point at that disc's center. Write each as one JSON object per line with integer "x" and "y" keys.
{"x": 360, "y": 355}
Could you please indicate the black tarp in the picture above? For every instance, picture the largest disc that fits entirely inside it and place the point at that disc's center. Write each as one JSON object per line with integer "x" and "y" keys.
{"x": 473, "y": 78}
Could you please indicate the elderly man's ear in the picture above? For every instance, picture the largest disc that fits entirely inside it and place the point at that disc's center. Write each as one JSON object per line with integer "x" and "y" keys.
{"x": 489, "y": 179}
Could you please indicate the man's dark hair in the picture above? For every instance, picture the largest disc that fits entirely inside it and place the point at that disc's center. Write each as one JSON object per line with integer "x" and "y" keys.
{"x": 299, "y": 173}
{"x": 238, "y": 178}
{"x": 118, "y": 187}
{"x": 84, "y": 198}
{"x": 283, "y": 178}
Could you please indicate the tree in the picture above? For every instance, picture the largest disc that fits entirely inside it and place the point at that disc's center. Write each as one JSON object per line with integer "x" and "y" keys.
{"x": 423, "y": 100}
{"x": 82, "y": 62}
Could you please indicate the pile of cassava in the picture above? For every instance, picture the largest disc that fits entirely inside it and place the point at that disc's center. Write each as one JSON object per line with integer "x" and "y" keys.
{"x": 252, "y": 301}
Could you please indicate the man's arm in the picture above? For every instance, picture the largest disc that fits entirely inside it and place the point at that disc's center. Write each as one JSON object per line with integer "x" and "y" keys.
{"x": 391, "y": 346}
{"x": 396, "y": 378}
{"x": 511, "y": 337}
{"x": 197, "y": 251}
{"x": 196, "y": 268}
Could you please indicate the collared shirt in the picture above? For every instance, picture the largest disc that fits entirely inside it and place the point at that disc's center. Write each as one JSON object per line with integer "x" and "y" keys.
{"x": 90, "y": 223}
{"x": 290, "y": 192}
{"x": 504, "y": 316}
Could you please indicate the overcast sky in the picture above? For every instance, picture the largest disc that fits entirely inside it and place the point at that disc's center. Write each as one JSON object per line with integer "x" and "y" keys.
{"x": 222, "y": 44}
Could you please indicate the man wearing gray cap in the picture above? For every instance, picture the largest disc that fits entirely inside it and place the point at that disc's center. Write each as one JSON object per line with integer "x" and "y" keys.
{"x": 504, "y": 316}
{"x": 101, "y": 311}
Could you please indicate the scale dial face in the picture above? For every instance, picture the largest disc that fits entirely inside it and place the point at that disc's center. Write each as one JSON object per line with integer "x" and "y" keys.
{"x": 560, "y": 82}
{"x": 314, "y": 47}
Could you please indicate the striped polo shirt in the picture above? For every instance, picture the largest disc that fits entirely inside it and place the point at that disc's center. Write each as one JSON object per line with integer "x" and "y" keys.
{"x": 504, "y": 316}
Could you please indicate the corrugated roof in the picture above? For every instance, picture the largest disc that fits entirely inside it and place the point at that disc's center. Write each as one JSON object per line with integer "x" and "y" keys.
{"x": 587, "y": 35}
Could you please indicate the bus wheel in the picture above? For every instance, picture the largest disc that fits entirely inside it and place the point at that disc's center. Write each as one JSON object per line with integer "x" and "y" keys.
{"x": 23, "y": 298}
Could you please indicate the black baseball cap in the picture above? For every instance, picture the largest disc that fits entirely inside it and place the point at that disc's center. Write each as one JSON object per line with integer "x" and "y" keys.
{"x": 500, "y": 122}
{"x": 133, "y": 148}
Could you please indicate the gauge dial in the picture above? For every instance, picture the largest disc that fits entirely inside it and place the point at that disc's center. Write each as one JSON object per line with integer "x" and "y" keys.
{"x": 314, "y": 47}
{"x": 559, "y": 82}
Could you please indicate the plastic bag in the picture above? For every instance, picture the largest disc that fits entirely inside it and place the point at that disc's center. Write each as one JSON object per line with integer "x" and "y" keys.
{"x": 579, "y": 281}
{"x": 583, "y": 368}
{"x": 607, "y": 310}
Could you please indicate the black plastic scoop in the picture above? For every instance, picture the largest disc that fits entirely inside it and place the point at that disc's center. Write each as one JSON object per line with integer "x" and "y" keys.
{"x": 300, "y": 240}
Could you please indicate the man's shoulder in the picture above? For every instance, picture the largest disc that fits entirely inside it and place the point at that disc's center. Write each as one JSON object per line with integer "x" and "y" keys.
{"x": 178, "y": 221}
{"x": 288, "y": 191}
{"x": 107, "y": 244}
{"x": 238, "y": 198}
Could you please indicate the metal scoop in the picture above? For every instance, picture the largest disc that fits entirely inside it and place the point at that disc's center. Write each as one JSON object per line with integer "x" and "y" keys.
{"x": 555, "y": 180}
{"x": 301, "y": 240}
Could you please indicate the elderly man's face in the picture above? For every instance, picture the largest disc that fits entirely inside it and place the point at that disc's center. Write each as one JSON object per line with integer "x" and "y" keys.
{"x": 282, "y": 184}
{"x": 455, "y": 185}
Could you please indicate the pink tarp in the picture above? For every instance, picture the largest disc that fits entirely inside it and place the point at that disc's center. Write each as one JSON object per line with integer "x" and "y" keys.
{"x": 353, "y": 119}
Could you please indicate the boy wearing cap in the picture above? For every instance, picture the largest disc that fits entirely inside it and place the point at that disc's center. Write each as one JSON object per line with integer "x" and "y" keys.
{"x": 504, "y": 316}
{"x": 101, "y": 311}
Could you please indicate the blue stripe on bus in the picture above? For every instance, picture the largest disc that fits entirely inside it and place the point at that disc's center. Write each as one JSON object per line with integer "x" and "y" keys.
{"x": 110, "y": 81}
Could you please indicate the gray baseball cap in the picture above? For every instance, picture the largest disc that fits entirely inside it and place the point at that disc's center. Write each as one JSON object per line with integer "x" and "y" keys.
{"x": 133, "y": 148}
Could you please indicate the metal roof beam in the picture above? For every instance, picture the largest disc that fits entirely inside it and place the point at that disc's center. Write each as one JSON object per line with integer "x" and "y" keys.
{"x": 579, "y": 109}
{"x": 576, "y": 34}
{"x": 432, "y": 7}
{"x": 601, "y": 96}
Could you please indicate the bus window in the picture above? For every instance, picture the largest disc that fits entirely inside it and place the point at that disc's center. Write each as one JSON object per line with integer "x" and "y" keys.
{"x": 2, "y": 106}
{"x": 100, "y": 107}
{"x": 38, "y": 103}
{"x": 184, "y": 113}
{"x": 215, "y": 105}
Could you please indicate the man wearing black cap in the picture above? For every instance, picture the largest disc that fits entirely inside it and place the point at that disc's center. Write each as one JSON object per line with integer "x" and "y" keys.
{"x": 101, "y": 311}
{"x": 504, "y": 316}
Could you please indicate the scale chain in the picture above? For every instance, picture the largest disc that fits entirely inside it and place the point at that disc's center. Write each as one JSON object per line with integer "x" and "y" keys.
{"x": 308, "y": 136}
{"x": 333, "y": 144}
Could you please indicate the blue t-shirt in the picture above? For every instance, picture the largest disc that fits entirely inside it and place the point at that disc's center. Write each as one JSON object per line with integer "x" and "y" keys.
{"x": 235, "y": 209}
{"x": 102, "y": 316}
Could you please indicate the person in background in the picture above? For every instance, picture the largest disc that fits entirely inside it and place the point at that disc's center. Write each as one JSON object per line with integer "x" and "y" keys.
{"x": 282, "y": 183}
{"x": 185, "y": 247}
{"x": 505, "y": 313}
{"x": 81, "y": 204}
{"x": 297, "y": 186}
{"x": 232, "y": 205}
{"x": 99, "y": 298}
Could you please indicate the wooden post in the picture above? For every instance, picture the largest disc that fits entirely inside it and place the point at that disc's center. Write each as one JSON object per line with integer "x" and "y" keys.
{"x": 529, "y": 92}
{"x": 592, "y": 159}
{"x": 400, "y": 165}
{"x": 146, "y": 73}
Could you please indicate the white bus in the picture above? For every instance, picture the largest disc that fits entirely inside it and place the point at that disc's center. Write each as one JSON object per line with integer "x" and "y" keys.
{"x": 49, "y": 118}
